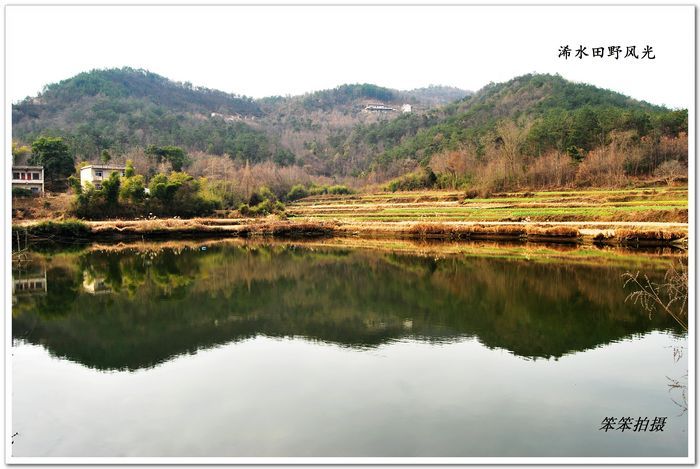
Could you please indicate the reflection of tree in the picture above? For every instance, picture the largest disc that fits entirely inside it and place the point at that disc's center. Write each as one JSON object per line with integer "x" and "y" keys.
{"x": 61, "y": 292}
{"x": 168, "y": 302}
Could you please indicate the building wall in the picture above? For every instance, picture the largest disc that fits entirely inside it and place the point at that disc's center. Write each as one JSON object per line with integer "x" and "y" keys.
{"x": 36, "y": 187}
{"x": 97, "y": 175}
{"x": 85, "y": 175}
{"x": 31, "y": 178}
{"x": 27, "y": 174}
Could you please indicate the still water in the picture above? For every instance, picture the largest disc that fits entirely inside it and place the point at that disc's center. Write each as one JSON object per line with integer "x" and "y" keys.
{"x": 236, "y": 349}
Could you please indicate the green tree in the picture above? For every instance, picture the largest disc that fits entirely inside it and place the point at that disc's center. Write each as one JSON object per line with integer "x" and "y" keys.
{"x": 129, "y": 171}
{"x": 180, "y": 194}
{"x": 105, "y": 157}
{"x": 176, "y": 156}
{"x": 132, "y": 189}
{"x": 158, "y": 187}
{"x": 74, "y": 183}
{"x": 284, "y": 157}
{"x": 53, "y": 154}
{"x": 19, "y": 151}
{"x": 110, "y": 190}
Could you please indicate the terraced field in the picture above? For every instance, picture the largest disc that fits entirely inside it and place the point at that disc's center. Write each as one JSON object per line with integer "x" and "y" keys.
{"x": 665, "y": 204}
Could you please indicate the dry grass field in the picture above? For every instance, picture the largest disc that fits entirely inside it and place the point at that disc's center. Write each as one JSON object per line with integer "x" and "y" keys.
{"x": 664, "y": 204}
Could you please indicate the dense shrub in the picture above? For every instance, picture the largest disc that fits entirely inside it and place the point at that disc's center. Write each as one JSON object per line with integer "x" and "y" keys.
{"x": 262, "y": 202}
{"x": 66, "y": 228}
{"x": 21, "y": 192}
{"x": 323, "y": 189}
{"x": 297, "y": 192}
{"x": 264, "y": 208}
{"x": 422, "y": 179}
{"x": 180, "y": 194}
{"x": 133, "y": 189}
{"x": 339, "y": 190}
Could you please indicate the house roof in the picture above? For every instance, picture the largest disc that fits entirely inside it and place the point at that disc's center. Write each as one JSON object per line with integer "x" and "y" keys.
{"x": 27, "y": 167}
{"x": 103, "y": 166}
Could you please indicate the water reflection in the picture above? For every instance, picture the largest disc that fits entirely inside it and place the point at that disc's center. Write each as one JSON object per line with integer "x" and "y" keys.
{"x": 134, "y": 308}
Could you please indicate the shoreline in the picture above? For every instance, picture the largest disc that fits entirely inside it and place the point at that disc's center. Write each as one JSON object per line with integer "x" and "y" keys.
{"x": 627, "y": 234}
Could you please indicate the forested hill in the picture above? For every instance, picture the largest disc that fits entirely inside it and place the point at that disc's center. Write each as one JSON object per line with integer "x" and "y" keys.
{"x": 553, "y": 113}
{"x": 128, "y": 83}
{"x": 330, "y": 132}
{"x": 122, "y": 109}
{"x": 125, "y": 109}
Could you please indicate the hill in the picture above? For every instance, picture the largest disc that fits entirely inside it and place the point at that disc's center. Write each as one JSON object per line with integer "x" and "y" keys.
{"x": 121, "y": 109}
{"x": 124, "y": 109}
{"x": 337, "y": 132}
{"x": 315, "y": 125}
{"x": 570, "y": 117}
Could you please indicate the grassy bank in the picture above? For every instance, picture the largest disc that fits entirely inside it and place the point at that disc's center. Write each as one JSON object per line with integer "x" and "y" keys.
{"x": 622, "y": 217}
{"x": 610, "y": 234}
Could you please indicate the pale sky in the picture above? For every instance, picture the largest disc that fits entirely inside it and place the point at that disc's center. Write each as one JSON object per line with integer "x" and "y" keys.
{"x": 279, "y": 50}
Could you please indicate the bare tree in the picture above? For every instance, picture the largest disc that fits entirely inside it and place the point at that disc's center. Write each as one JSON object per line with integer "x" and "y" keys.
{"x": 670, "y": 296}
{"x": 510, "y": 137}
{"x": 670, "y": 171}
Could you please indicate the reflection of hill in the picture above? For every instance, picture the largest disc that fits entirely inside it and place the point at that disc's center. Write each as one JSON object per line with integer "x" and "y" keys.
{"x": 177, "y": 301}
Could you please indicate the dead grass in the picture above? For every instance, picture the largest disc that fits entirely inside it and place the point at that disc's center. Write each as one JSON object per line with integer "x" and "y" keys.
{"x": 282, "y": 229}
{"x": 50, "y": 206}
{"x": 215, "y": 227}
{"x": 648, "y": 236}
{"x": 663, "y": 216}
{"x": 478, "y": 231}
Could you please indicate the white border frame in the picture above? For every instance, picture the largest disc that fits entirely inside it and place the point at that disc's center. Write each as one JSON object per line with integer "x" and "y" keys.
{"x": 7, "y": 199}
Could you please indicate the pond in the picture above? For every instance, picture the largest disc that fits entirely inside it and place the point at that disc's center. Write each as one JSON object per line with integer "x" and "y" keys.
{"x": 300, "y": 349}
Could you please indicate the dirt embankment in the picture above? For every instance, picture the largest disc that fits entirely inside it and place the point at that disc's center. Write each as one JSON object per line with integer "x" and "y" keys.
{"x": 626, "y": 234}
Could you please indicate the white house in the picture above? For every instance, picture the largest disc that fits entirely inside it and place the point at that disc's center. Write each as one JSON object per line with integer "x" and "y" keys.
{"x": 406, "y": 108}
{"x": 34, "y": 284}
{"x": 96, "y": 173}
{"x": 28, "y": 177}
{"x": 95, "y": 286}
{"x": 378, "y": 107}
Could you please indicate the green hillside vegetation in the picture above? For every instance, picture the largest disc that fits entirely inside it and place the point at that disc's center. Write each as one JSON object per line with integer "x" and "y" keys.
{"x": 534, "y": 131}
{"x": 347, "y": 94}
{"x": 124, "y": 109}
{"x": 555, "y": 114}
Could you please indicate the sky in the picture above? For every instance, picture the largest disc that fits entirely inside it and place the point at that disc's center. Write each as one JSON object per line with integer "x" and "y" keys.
{"x": 288, "y": 50}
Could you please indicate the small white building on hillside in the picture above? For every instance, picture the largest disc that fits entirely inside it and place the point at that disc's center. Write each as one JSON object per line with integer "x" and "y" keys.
{"x": 96, "y": 173}
{"x": 378, "y": 108}
{"x": 28, "y": 177}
